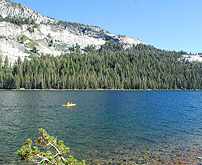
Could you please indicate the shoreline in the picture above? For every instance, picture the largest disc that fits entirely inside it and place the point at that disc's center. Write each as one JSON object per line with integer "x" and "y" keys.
{"x": 23, "y": 89}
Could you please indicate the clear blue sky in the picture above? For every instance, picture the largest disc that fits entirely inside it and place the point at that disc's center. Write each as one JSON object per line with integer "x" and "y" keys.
{"x": 165, "y": 24}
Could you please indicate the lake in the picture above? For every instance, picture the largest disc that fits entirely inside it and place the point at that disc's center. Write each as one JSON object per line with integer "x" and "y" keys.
{"x": 128, "y": 127}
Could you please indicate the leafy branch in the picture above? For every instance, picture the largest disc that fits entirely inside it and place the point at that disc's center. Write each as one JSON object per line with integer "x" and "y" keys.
{"x": 31, "y": 153}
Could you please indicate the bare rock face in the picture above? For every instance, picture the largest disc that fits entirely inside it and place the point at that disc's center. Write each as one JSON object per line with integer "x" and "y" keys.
{"x": 47, "y": 35}
{"x": 8, "y": 8}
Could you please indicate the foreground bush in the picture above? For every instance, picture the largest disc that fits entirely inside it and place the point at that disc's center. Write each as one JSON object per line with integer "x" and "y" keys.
{"x": 31, "y": 153}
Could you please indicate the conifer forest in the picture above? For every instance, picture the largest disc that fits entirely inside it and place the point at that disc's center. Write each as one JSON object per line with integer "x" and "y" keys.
{"x": 141, "y": 67}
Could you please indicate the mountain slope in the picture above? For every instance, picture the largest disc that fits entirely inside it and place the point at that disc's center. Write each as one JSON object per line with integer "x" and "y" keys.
{"x": 24, "y": 32}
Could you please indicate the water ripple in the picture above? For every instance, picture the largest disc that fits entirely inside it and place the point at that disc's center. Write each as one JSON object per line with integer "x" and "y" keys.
{"x": 106, "y": 126}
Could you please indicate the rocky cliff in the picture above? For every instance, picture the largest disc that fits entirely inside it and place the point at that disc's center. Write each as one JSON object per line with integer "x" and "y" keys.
{"x": 24, "y": 32}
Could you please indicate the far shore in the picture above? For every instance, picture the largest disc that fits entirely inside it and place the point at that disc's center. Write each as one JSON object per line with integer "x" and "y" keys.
{"x": 23, "y": 89}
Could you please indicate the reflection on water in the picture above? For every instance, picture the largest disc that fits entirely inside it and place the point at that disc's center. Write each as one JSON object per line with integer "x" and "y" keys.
{"x": 155, "y": 127}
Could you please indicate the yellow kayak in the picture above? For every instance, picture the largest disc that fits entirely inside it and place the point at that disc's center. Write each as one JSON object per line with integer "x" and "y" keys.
{"x": 69, "y": 105}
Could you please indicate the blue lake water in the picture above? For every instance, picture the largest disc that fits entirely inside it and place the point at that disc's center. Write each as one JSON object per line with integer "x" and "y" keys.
{"x": 131, "y": 127}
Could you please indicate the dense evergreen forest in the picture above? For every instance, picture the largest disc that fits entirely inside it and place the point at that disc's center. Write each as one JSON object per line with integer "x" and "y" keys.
{"x": 110, "y": 67}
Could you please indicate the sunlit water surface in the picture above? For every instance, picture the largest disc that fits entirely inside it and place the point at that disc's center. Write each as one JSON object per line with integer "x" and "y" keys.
{"x": 128, "y": 127}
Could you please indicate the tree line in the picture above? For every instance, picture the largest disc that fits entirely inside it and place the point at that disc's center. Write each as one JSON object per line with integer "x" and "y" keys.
{"x": 18, "y": 20}
{"x": 110, "y": 67}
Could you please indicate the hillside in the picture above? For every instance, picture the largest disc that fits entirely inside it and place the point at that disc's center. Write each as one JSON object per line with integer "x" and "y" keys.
{"x": 23, "y": 32}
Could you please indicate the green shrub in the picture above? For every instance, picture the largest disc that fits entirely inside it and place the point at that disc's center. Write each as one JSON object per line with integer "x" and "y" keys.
{"x": 30, "y": 151}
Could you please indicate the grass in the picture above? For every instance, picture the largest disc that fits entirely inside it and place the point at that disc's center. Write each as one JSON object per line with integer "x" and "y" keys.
{"x": 61, "y": 47}
{"x": 28, "y": 42}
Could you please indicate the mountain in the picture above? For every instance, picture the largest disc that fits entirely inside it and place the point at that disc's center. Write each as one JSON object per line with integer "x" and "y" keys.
{"x": 23, "y": 32}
